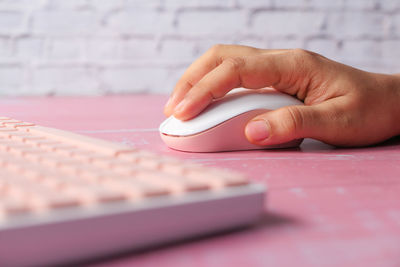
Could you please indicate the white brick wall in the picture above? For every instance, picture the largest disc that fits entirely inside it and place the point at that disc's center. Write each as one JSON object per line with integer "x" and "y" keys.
{"x": 123, "y": 46}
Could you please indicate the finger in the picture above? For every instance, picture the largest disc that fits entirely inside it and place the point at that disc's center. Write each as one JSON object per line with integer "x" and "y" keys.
{"x": 211, "y": 87}
{"x": 293, "y": 122}
{"x": 192, "y": 75}
{"x": 281, "y": 70}
{"x": 196, "y": 71}
{"x": 203, "y": 65}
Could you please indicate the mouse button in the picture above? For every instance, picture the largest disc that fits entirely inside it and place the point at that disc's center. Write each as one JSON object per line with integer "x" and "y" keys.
{"x": 163, "y": 124}
{"x": 174, "y": 126}
{"x": 227, "y": 136}
{"x": 216, "y": 113}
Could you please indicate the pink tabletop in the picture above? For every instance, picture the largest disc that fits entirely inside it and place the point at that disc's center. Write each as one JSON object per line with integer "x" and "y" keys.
{"x": 325, "y": 206}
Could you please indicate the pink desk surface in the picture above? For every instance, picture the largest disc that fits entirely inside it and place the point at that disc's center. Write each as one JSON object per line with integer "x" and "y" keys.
{"x": 325, "y": 206}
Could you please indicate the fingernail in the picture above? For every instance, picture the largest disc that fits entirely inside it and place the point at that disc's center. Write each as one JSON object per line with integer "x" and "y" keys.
{"x": 257, "y": 130}
{"x": 168, "y": 102}
{"x": 181, "y": 106}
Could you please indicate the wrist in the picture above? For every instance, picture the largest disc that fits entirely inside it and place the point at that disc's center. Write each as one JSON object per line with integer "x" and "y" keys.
{"x": 394, "y": 89}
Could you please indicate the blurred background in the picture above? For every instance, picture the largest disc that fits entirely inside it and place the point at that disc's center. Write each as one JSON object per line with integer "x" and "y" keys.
{"x": 95, "y": 47}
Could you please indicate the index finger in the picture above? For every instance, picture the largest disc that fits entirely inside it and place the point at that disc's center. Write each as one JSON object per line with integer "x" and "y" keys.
{"x": 203, "y": 65}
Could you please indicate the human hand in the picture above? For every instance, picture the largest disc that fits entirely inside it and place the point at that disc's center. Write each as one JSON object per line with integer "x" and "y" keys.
{"x": 344, "y": 106}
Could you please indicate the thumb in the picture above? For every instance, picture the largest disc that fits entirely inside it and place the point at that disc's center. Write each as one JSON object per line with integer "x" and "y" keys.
{"x": 286, "y": 124}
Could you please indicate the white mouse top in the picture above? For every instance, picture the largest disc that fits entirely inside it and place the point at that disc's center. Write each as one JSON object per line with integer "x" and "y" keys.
{"x": 238, "y": 101}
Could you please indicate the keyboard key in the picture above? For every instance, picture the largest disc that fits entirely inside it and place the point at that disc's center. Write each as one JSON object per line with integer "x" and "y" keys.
{"x": 5, "y": 129}
{"x": 9, "y": 122}
{"x": 136, "y": 155}
{"x": 91, "y": 194}
{"x": 52, "y": 200}
{"x": 16, "y": 124}
{"x": 135, "y": 189}
{"x": 13, "y": 206}
{"x": 172, "y": 166}
{"x": 218, "y": 178}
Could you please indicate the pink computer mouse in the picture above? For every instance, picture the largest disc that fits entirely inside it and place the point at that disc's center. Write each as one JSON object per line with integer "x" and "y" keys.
{"x": 220, "y": 127}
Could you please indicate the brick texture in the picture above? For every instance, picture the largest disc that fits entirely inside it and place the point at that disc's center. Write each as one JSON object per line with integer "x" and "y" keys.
{"x": 92, "y": 47}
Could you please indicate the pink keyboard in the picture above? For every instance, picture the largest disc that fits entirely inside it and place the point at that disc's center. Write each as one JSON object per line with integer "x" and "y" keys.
{"x": 65, "y": 197}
